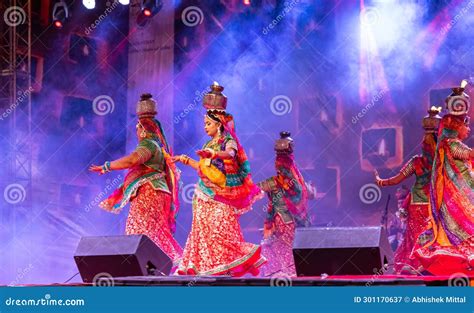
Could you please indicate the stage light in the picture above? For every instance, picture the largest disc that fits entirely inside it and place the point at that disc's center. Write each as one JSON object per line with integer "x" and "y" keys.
{"x": 89, "y": 4}
{"x": 247, "y": 2}
{"x": 60, "y": 14}
{"x": 124, "y": 2}
{"x": 151, "y": 7}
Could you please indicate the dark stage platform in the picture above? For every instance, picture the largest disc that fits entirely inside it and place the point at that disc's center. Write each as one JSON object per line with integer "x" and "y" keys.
{"x": 392, "y": 280}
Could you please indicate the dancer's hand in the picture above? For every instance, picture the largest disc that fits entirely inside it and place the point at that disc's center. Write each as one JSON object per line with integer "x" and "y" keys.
{"x": 96, "y": 168}
{"x": 176, "y": 158}
{"x": 181, "y": 158}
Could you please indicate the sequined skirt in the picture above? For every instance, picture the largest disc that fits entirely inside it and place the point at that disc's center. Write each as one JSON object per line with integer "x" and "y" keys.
{"x": 150, "y": 215}
{"x": 417, "y": 220}
{"x": 278, "y": 250}
{"x": 215, "y": 245}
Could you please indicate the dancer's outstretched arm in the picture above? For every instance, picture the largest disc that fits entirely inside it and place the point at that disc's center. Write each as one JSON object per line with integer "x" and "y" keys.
{"x": 186, "y": 160}
{"x": 125, "y": 162}
{"x": 407, "y": 170}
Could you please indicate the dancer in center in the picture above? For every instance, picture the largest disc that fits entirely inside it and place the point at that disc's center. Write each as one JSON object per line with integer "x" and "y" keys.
{"x": 225, "y": 190}
{"x": 287, "y": 209}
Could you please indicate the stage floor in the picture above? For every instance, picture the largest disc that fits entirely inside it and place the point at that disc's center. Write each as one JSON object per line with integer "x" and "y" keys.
{"x": 189, "y": 281}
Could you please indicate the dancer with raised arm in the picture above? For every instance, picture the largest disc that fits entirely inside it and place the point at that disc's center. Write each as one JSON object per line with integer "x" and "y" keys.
{"x": 150, "y": 184}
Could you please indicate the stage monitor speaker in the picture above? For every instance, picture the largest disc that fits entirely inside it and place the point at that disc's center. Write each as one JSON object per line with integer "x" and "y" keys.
{"x": 341, "y": 251}
{"x": 120, "y": 256}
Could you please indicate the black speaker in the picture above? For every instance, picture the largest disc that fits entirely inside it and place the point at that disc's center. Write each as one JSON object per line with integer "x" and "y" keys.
{"x": 341, "y": 251}
{"x": 120, "y": 256}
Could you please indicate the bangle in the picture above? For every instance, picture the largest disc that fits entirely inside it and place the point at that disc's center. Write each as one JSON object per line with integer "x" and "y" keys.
{"x": 106, "y": 167}
{"x": 186, "y": 160}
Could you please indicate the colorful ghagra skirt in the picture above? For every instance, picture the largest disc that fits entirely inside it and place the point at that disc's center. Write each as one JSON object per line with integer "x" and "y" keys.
{"x": 278, "y": 250}
{"x": 215, "y": 245}
{"x": 417, "y": 220}
{"x": 149, "y": 215}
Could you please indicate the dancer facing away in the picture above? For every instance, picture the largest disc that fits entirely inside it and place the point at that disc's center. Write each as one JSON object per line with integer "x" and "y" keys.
{"x": 287, "y": 209}
{"x": 417, "y": 202}
{"x": 215, "y": 245}
{"x": 450, "y": 233}
{"x": 150, "y": 184}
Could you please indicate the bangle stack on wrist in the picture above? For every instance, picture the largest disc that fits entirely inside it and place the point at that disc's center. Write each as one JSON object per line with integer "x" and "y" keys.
{"x": 106, "y": 167}
{"x": 184, "y": 159}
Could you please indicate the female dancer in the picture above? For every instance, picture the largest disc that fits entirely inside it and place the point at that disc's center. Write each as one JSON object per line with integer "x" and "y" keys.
{"x": 150, "y": 184}
{"x": 215, "y": 245}
{"x": 417, "y": 202}
{"x": 450, "y": 233}
{"x": 288, "y": 194}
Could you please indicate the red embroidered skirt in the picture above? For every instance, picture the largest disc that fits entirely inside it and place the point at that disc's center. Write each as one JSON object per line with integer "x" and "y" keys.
{"x": 215, "y": 245}
{"x": 150, "y": 215}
